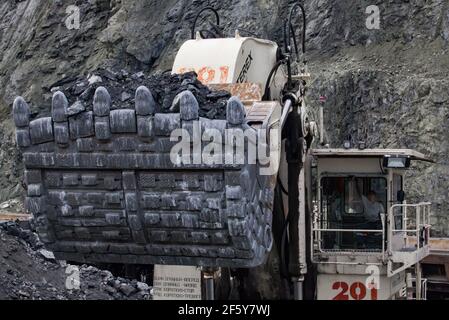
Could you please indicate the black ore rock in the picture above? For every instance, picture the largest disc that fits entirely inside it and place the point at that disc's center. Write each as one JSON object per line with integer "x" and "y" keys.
{"x": 164, "y": 87}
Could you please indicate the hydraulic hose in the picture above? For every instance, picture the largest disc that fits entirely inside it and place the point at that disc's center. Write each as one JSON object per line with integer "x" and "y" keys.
{"x": 293, "y": 134}
{"x": 266, "y": 95}
{"x": 289, "y": 34}
{"x": 287, "y": 40}
{"x": 304, "y": 25}
{"x": 217, "y": 17}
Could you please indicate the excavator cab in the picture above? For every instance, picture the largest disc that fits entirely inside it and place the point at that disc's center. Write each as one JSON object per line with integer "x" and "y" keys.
{"x": 363, "y": 224}
{"x": 354, "y": 202}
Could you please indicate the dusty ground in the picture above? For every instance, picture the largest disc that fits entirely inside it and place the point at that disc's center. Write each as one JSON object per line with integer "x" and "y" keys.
{"x": 29, "y": 272}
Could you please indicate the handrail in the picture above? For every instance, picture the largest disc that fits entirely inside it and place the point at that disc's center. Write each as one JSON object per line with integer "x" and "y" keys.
{"x": 350, "y": 230}
{"x": 424, "y": 283}
{"x": 419, "y": 225}
{"x": 421, "y": 219}
{"x": 318, "y": 232}
{"x": 411, "y": 204}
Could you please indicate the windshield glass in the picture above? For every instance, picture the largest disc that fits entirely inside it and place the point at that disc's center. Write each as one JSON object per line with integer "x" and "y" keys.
{"x": 353, "y": 203}
{"x": 346, "y": 194}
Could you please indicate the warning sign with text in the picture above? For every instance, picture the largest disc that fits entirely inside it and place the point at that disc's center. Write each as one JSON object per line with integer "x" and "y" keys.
{"x": 176, "y": 283}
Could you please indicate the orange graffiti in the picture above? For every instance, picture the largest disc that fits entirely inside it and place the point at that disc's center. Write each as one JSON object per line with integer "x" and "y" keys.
{"x": 206, "y": 75}
{"x": 224, "y": 74}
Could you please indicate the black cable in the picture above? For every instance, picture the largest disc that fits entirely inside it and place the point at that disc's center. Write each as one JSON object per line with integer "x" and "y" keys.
{"x": 283, "y": 241}
{"x": 211, "y": 33}
{"x": 304, "y": 26}
{"x": 286, "y": 49}
{"x": 288, "y": 32}
{"x": 282, "y": 186}
{"x": 217, "y": 16}
{"x": 287, "y": 40}
{"x": 270, "y": 76}
{"x": 280, "y": 239}
{"x": 284, "y": 245}
{"x": 295, "y": 44}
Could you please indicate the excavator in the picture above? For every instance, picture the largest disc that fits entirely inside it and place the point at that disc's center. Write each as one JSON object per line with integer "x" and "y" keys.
{"x": 115, "y": 186}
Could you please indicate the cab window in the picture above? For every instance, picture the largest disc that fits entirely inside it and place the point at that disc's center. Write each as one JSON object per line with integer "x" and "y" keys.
{"x": 352, "y": 203}
{"x": 344, "y": 195}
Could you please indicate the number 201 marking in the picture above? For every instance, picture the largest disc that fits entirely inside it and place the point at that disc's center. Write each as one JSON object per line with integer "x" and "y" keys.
{"x": 357, "y": 291}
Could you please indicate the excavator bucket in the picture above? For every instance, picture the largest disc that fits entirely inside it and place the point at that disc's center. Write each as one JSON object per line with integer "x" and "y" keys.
{"x": 105, "y": 186}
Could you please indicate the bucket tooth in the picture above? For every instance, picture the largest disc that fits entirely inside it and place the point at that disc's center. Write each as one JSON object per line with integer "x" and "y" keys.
{"x": 59, "y": 112}
{"x": 145, "y": 104}
{"x": 235, "y": 111}
{"x": 59, "y": 107}
{"x": 145, "y": 109}
{"x": 102, "y": 107}
{"x": 188, "y": 105}
{"x": 102, "y": 102}
{"x": 21, "y": 113}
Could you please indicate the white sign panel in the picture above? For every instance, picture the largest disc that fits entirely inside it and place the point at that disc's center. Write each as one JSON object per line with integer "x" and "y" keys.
{"x": 176, "y": 283}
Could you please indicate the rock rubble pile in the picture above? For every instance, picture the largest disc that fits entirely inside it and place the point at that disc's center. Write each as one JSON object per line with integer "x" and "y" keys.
{"x": 29, "y": 272}
{"x": 122, "y": 86}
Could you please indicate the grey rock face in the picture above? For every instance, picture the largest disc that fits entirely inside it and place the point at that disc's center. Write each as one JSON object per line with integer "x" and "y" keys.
{"x": 409, "y": 51}
{"x": 388, "y": 112}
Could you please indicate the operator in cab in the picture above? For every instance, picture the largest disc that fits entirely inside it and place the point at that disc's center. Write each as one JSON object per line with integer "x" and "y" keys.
{"x": 373, "y": 211}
